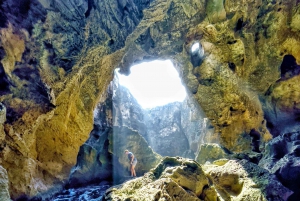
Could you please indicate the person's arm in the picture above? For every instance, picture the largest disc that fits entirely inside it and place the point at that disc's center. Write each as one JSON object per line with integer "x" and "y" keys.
{"x": 132, "y": 159}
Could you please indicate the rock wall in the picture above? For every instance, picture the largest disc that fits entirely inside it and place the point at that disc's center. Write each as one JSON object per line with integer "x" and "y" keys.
{"x": 4, "y": 194}
{"x": 101, "y": 158}
{"x": 57, "y": 59}
{"x": 55, "y": 64}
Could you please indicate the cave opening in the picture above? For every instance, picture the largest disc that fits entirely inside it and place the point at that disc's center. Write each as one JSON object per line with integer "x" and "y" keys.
{"x": 153, "y": 101}
{"x": 153, "y": 83}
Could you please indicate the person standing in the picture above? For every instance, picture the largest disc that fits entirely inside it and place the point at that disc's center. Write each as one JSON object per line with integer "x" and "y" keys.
{"x": 133, "y": 162}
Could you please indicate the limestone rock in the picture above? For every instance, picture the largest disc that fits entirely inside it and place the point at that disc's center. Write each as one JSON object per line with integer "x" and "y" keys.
{"x": 4, "y": 194}
{"x": 243, "y": 180}
{"x": 146, "y": 189}
{"x": 215, "y": 11}
{"x": 92, "y": 166}
{"x": 2, "y": 113}
{"x": 187, "y": 173}
{"x": 211, "y": 152}
{"x": 102, "y": 156}
{"x": 234, "y": 180}
{"x": 74, "y": 53}
{"x": 164, "y": 129}
{"x": 281, "y": 157}
{"x": 125, "y": 138}
{"x": 173, "y": 179}
{"x": 282, "y": 107}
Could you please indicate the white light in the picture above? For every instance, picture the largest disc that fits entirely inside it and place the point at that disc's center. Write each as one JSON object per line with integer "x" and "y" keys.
{"x": 154, "y": 83}
{"x": 195, "y": 47}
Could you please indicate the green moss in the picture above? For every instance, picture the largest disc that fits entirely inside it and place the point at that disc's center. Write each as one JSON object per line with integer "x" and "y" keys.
{"x": 215, "y": 10}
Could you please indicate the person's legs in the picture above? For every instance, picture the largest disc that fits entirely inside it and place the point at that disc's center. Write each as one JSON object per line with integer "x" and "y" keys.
{"x": 133, "y": 166}
{"x": 132, "y": 170}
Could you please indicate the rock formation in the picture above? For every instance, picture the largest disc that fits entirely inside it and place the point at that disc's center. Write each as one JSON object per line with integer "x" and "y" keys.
{"x": 4, "y": 194}
{"x": 175, "y": 129}
{"x": 58, "y": 58}
{"x": 101, "y": 157}
{"x": 180, "y": 179}
{"x": 282, "y": 159}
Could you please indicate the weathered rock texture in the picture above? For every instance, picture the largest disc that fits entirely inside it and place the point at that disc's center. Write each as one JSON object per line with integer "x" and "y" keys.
{"x": 55, "y": 64}
{"x": 182, "y": 179}
{"x": 211, "y": 152}
{"x": 172, "y": 179}
{"x": 4, "y": 194}
{"x": 282, "y": 158}
{"x": 101, "y": 157}
{"x": 243, "y": 180}
{"x": 57, "y": 59}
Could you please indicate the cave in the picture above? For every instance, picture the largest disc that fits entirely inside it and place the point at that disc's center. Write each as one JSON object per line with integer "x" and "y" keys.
{"x": 152, "y": 100}
{"x": 68, "y": 113}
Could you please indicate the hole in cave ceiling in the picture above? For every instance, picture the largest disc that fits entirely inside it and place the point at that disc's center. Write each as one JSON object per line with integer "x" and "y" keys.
{"x": 153, "y": 101}
{"x": 154, "y": 83}
{"x": 197, "y": 54}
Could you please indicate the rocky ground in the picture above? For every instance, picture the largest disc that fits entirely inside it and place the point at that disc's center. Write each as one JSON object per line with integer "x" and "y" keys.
{"x": 183, "y": 179}
{"x": 57, "y": 62}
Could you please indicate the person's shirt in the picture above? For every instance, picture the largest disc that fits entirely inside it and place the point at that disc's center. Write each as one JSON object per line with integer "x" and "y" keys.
{"x": 130, "y": 155}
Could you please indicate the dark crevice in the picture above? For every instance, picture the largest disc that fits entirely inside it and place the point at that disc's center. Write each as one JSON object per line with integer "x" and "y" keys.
{"x": 232, "y": 66}
{"x": 239, "y": 25}
{"x": 26, "y": 73}
{"x": 91, "y": 5}
{"x": 145, "y": 40}
{"x": 3, "y": 19}
{"x": 289, "y": 67}
{"x": 4, "y": 82}
{"x": 255, "y": 135}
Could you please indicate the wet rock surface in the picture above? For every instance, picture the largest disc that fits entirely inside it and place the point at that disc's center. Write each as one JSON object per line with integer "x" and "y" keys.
{"x": 57, "y": 59}
{"x": 85, "y": 193}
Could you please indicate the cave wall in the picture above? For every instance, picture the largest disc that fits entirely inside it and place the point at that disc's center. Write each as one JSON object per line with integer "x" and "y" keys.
{"x": 57, "y": 59}
{"x": 55, "y": 65}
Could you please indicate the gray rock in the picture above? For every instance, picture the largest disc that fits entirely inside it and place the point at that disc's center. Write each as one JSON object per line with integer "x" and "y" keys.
{"x": 4, "y": 194}
{"x": 282, "y": 158}
{"x": 2, "y": 113}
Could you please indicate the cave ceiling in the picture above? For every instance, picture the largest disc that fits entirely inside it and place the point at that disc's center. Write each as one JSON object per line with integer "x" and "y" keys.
{"x": 58, "y": 58}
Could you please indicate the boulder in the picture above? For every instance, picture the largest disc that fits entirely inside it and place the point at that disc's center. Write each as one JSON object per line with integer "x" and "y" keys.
{"x": 173, "y": 179}
{"x": 210, "y": 152}
{"x": 281, "y": 104}
{"x": 282, "y": 158}
{"x": 243, "y": 180}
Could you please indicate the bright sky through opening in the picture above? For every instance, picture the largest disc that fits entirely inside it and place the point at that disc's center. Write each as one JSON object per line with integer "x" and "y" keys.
{"x": 154, "y": 83}
{"x": 195, "y": 47}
